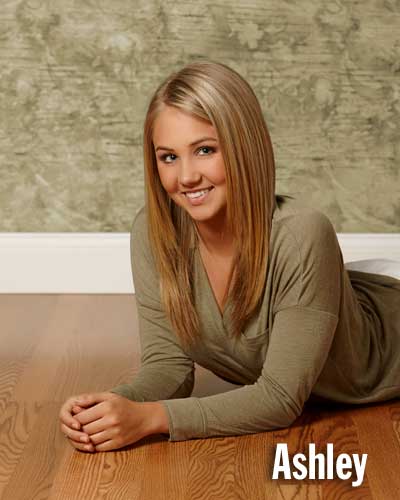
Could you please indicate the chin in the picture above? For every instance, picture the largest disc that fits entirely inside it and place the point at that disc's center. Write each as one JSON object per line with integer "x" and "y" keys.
{"x": 204, "y": 215}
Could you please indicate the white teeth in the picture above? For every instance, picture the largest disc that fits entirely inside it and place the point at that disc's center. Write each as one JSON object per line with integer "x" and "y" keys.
{"x": 197, "y": 193}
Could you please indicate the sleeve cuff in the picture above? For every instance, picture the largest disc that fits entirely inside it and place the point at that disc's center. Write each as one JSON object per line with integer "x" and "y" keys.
{"x": 186, "y": 419}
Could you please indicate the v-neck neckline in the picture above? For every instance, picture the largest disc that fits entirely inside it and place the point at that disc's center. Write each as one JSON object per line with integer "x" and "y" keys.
{"x": 209, "y": 288}
{"x": 222, "y": 316}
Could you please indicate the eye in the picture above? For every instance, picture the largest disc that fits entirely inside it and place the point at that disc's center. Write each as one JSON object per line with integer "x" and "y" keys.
{"x": 206, "y": 147}
{"x": 164, "y": 157}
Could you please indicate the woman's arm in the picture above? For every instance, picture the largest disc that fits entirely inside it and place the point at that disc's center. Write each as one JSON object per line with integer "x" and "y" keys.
{"x": 297, "y": 351}
{"x": 166, "y": 371}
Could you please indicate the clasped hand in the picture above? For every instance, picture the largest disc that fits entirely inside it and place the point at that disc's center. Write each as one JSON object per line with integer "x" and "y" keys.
{"x": 104, "y": 421}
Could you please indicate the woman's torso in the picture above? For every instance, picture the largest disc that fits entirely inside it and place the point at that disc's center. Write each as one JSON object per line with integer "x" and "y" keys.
{"x": 363, "y": 364}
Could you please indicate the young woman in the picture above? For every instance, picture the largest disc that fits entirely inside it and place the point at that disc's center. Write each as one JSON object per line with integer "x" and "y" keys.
{"x": 246, "y": 283}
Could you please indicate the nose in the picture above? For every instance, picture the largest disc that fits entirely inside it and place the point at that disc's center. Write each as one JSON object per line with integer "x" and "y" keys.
{"x": 188, "y": 174}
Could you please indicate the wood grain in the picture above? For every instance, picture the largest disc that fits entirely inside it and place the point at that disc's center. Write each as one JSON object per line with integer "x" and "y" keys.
{"x": 54, "y": 346}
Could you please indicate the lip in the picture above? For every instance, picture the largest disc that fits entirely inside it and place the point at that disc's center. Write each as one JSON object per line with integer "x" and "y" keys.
{"x": 200, "y": 199}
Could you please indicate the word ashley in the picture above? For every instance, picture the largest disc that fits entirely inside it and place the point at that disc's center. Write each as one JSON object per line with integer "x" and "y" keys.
{"x": 325, "y": 468}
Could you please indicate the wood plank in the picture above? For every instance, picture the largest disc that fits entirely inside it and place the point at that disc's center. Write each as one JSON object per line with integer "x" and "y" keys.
{"x": 40, "y": 450}
{"x": 23, "y": 318}
{"x": 68, "y": 344}
{"x": 375, "y": 431}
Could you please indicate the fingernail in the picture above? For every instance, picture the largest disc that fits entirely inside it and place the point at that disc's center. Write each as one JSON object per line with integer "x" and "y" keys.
{"x": 75, "y": 426}
{"x": 84, "y": 439}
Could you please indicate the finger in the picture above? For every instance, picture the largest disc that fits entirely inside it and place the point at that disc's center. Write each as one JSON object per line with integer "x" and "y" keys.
{"x": 101, "y": 437}
{"x": 91, "y": 414}
{"x": 93, "y": 398}
{"x": 66, "y": 416}
{"x": 82, "y": 447}
{"x": 96, "y": 426}
{"x": 81, "y": 437}
{"x": 77, "y": 409}
{"x": 106, "y": 446}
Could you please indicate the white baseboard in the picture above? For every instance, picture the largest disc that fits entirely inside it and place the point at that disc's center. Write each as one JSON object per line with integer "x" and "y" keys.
{"x": 65, "y": 263}
{"x": 100, "y": 262}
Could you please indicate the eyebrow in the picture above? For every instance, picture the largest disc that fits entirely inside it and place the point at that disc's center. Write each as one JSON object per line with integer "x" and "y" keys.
{"x": 191, "y": 144}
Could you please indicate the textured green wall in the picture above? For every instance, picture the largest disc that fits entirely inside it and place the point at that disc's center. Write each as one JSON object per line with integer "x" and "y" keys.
{"x": 76, "y": 77}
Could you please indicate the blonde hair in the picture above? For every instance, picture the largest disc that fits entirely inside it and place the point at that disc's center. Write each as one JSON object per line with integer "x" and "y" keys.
{"x": 218, "y": 94}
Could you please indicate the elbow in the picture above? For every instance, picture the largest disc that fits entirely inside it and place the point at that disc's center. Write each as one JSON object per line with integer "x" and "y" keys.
{"x": 288, "y": 422}
{"x": 286, "y": 413}
{"x": 285, "y": 408}
{"x": 186, "y": 388}
{"x": 290, "y": 414}
{"x": 281, "y": 416}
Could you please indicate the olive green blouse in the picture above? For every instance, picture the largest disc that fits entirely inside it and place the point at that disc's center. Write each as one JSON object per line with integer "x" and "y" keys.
{"x": 322, "y": 332}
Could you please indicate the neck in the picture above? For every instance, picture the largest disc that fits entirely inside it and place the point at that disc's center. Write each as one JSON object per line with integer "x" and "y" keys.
{"x": 215, "y": 240}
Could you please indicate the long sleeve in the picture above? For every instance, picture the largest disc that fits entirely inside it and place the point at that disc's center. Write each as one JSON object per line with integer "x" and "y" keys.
{"x": 166, "y": 371}
{"x": 294, "y": 360}
{"x": 308, "y": 294}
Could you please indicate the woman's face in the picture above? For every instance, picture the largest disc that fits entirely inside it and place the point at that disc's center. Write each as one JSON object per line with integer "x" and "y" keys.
{"x": 189, "y": 159}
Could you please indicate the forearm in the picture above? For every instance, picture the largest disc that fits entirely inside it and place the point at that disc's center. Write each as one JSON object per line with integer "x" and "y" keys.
{"x": 246, "y": 410}
{"x": 159, "y": 382}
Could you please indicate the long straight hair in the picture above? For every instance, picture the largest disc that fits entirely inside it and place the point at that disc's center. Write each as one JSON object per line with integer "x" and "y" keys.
{"x": 214, "y": 92}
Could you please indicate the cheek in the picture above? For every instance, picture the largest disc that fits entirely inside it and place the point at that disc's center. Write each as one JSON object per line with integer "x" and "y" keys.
{"x": 218, "y": 173}
{"x": 167, "y": 179}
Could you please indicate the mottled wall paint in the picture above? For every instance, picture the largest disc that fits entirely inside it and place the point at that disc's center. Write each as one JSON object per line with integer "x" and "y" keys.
{"x": 76, "y": 77}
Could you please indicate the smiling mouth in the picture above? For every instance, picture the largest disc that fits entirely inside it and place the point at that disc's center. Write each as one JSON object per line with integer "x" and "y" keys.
{"x": 198, "y": 194}
{"x": 199, "y": 198}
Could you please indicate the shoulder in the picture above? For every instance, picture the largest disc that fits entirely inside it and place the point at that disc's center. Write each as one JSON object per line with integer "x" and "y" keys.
{"x": 306, "y": 259}
{"x": 303, "y": 240}
{"x": 296, "y": 224}
{"x": 296, "y": 214}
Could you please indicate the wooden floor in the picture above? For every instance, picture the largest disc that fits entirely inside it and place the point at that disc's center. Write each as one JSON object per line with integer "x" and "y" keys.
{"x": 53, "y": 346}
